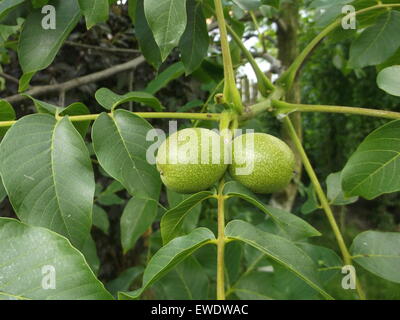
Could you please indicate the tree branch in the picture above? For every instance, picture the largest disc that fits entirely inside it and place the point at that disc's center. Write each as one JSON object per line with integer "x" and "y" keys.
{"x": 68, "y": 85}
{"x": 99, "y": 48}
{"x": 9, "y": 77}
{"x": 276, "y": 65}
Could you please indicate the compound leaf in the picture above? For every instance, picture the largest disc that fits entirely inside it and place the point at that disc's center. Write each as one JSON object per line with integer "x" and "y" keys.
{"x": 379, "y": 253}
{"x": 279, "y": 249}
{"x": 120, "y": 145}
{"x": 375, "y": 166}
{"x": 29, "y": 253}
{"x": 290, "y": 225}
{"x": 169, "y": 256}
{"x": 172, "y": 220}
{"x": 49, "y": 177}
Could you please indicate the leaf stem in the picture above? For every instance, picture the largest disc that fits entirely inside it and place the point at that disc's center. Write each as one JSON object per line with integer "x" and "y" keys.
{"x": 231, "y": 93}
{"x": 287, "y": 78}
{"x": 209, "y": 99}
{"x": 271, "y": 104}
{"x": 264, "y": 84}
{"x": 221, "y": 244}
{"x": 322, "y": 198}
{"x": 146, "y": 115}
{"x": 285, "y": 107}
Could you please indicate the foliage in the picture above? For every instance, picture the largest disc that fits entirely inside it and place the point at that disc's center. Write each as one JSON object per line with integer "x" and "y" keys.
{"x": 67, "y": 169}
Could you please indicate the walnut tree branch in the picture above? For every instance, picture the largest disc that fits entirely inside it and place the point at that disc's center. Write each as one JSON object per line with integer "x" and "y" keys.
{"x": 71, "y": 84}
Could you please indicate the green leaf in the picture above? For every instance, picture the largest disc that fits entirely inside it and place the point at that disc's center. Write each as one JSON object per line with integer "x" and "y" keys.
{"x": 49, "y": 177}
{"x": 327, "y": 11}
{"x": 100, "y": 219}
{"x": 377, "y": 43}
{"x": 188, "y": 281}
{"x": 7, "y": 5}
{"x": 171, "y": 73}
{"x": 172, "y": 220}
{"x": 392, "y": 61}
{"x": 191, "y": 220}
{"x": 248, "y": 4}
{"x": 233, "y": 261}
{"x": 148, "y": 45}
{"x": 272, "y": 3}
{"x": 374, "y": 168}
{"x": 3, "y": 192}
{"x": 75, "y": 109}
{"x": 167, "y": 20}
{"x": 95, "y": 11}
{"x": 190, "y": 105}
{"x": 44, "y": 107}
{"x": 169, "y": 256}
{"x": 124, "y": 135}
{"x": 335, "y": 193}
{"x": 256, "y": 286}
{"x": 283, "y": 284}
{"x": 25, "y": 251}
{"x": 312, "y": 203}
{"x": 138, "y": 216}
{"x": 7, "y": 113}
{"x": 132, "y": 4}
{"x": 290, "y": 225}
{"x": 38, "y": 47}
{"x": 124, "y": 280}
{"x": 279, "y": 249}
{"x": 291, "y": 287}
{"x": 89, "y": 251}
{"x": 110, "y": 199}
{"x": 329, "y": 263}
{"x": 114, "y": 187}
{"x": 110, "y": 100}
{"x": 195, "y": 40}
{"x": 6, "y": 31}
{"x": 388, "y": 80}
{"x": 379, "y": 253}
{"x": 39, "y": 3}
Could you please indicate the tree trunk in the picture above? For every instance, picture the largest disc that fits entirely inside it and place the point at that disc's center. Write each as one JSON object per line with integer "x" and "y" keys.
{"x": 288, "y": 27}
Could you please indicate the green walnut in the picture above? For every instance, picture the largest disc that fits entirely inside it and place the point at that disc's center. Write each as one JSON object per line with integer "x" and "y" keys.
{"x": 261, "y": 162}
{"x": 191, "y": 160}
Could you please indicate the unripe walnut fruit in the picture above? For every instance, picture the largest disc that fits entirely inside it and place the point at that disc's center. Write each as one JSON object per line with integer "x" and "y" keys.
{"x": 191, "y": 160}
{"x": 261, "y": 162}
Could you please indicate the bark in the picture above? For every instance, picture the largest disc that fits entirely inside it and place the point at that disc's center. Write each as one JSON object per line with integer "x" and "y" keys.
{"x": 71, "y": 84}
{"x": 288, "y": 27}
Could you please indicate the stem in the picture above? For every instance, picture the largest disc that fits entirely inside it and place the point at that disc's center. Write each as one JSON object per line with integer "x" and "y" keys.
{"x": 288, "y": 77}
{"x": 257, "y": 26}
{"x": 146, "y": 115}
{"x": 221, "y": 244}
{"x": 322, "y": 198}
{"x": 107, "y": 49}
{"x": 264, "y": 83}
{"x": 231, "y": 93}
{"x": 265, "y": 105}
{"x": 284, "y": 107}
{"x": 209, "y": 99}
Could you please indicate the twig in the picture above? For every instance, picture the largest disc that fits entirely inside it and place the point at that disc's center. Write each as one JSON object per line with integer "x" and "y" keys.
{"x": 8, "y": 77}
{"x": 99, "y": 48}
{"x": 68, "y": 85}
